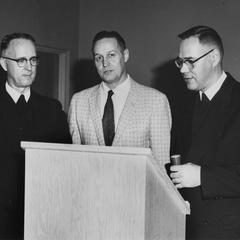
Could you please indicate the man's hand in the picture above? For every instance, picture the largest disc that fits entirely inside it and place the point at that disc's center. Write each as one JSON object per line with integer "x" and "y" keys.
{"x": 186, "y": 175}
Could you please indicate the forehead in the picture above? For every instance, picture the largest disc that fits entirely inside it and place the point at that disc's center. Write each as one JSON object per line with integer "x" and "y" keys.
{"x": 191, "y": 47}
{"x": 106, "y": 45}
{"x": 21, "y": 48}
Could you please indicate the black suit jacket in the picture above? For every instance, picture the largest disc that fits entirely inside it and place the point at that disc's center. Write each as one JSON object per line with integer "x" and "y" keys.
{"x": 215, "y": 146}
{"x": 43, "y": 121}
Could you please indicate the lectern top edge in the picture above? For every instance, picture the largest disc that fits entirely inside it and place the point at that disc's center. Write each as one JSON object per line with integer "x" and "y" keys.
{"x": 86, "y": 148}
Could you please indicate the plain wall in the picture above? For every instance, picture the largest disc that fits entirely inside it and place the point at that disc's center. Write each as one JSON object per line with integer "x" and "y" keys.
{"x": 150, "y": 28}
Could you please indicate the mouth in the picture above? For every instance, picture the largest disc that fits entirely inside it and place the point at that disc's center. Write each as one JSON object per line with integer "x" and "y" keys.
{"x": 187, "y": 78}
{"x": 27, "y": 75}
{"x": 107, "y": 72}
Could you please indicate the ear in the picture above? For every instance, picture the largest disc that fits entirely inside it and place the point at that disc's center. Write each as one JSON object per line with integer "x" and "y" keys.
{"x": 3, "y": 64}
{"x": 126, "y": 55}
{"x": 215, "y": 57}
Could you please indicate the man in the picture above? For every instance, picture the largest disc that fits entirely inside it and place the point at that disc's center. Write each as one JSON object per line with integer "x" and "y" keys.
{"x": 119, "y": 111}
{"x": 25, "y": 116}
{"x": 209, "y": 139}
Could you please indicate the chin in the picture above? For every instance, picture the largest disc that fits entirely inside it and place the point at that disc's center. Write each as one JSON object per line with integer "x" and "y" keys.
{"x": 192, "y": 87}
{"x": 109, "y": 79}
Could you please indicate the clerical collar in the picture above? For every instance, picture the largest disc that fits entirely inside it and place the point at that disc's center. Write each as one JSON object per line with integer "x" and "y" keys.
{"x": 211, "y": 92}
{"x": 15, "y": 95}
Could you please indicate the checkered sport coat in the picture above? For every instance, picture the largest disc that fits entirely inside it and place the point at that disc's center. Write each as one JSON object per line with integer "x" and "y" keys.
{"x": 144, "y": 122}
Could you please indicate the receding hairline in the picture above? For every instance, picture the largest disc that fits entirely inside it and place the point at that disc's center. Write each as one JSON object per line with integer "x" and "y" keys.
{"x": 118, "y": 45}
{"x": 16, "y": 35}
{"x": 14, "y": 42}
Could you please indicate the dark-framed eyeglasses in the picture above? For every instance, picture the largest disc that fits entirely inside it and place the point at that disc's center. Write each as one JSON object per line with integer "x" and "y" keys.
{"x": 189, "y": 62}
{"x": 21, "y": 62}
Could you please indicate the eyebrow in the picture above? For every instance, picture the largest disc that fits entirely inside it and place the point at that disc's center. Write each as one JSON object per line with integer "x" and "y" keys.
{"x": 107, "y": 52}
{"x": 188, "y": 58}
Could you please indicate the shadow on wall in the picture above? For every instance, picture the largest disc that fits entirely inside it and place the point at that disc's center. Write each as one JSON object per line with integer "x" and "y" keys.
{"x": 84, "y": 75}
{"x": 167, "y": 79}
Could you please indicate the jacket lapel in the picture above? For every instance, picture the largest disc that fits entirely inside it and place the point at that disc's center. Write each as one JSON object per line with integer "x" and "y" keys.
{"x": 127, "y": 114}
{"x": 94, "y": 101}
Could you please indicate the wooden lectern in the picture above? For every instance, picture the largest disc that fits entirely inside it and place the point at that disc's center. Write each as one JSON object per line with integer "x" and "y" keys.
{"x": 99, "y": 193}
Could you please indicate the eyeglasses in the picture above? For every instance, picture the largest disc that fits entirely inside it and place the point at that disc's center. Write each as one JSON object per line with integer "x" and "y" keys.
{"x": 190, "y": 63}
{"x": 21, "y": 62}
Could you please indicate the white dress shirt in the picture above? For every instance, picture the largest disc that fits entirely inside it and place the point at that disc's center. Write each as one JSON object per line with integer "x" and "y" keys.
{"x": 119, "y": 98}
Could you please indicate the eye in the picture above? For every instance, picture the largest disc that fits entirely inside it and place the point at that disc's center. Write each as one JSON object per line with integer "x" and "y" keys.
{"x": 112, "y": 54}
{"x": 98, "y": 58}
{"x": 21, "y": 60}
{"x": 33, "y": 59}
{"x": 189, "y": 61}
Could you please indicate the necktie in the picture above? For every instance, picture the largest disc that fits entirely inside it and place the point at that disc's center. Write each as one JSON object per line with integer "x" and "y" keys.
{"x": 108, "y": 120}
{"x": 21, "y": 104}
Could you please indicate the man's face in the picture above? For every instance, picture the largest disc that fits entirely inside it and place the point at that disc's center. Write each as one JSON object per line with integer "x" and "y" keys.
{"x": 198, "y": 77}
{"x": 110, "y": 61}
{"x": 19, "y": 78}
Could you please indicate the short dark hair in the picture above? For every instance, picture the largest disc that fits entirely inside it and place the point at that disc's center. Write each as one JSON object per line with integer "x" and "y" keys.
{"x": 109, "y": 34}
{"x": 8, "y": 38}
{"x": 205, "y": 35}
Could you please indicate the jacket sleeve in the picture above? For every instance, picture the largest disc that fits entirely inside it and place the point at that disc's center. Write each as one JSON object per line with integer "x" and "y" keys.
{"x": 72, "y": 121}
{"x": 160, "y": 127}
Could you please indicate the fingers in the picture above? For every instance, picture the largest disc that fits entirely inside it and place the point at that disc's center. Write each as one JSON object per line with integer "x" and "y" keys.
{"x": 175, "y": 175}
{"x": 175, "y": 168}
{"x": 178, "y": 186}
{"x": 176, "y": 180}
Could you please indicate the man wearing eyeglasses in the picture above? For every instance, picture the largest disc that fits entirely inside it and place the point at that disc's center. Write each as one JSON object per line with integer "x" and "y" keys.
{"x": 24, "y": 116}
{"x": 208, "y": 139}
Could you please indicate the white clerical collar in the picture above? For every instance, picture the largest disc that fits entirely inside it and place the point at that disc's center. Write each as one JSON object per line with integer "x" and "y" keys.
{"x": 15, "y": 94}
{"x": 211, "y": 92}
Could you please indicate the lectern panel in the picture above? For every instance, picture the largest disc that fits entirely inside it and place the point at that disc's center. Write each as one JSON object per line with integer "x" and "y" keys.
{"x": 84, "y": 197}
{"x": 75, "y": 192}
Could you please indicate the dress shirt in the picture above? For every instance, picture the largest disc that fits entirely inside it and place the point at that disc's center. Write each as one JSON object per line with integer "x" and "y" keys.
{"x": 15, "y": 95}
{"x": 119, "y": 98}
{"x": 211, "y": 92}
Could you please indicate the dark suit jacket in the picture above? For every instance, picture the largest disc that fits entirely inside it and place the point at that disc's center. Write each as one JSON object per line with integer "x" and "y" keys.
{"x": 215, "y": 146}
{"x": 43, "y": 121}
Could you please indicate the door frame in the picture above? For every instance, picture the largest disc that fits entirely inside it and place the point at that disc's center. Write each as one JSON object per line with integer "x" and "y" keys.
{"x": 63, "y": 73}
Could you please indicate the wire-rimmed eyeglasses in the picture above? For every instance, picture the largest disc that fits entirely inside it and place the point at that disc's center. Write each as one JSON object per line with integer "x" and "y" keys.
{"x": 190, "y": 63}
{"x": 21, "y": 62}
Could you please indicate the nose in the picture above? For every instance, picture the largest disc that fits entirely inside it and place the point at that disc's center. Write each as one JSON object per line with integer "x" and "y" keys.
{"x": 184, "y": 68}
{"x": 105, "y": 61}
{"x": 28, "y": 65}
